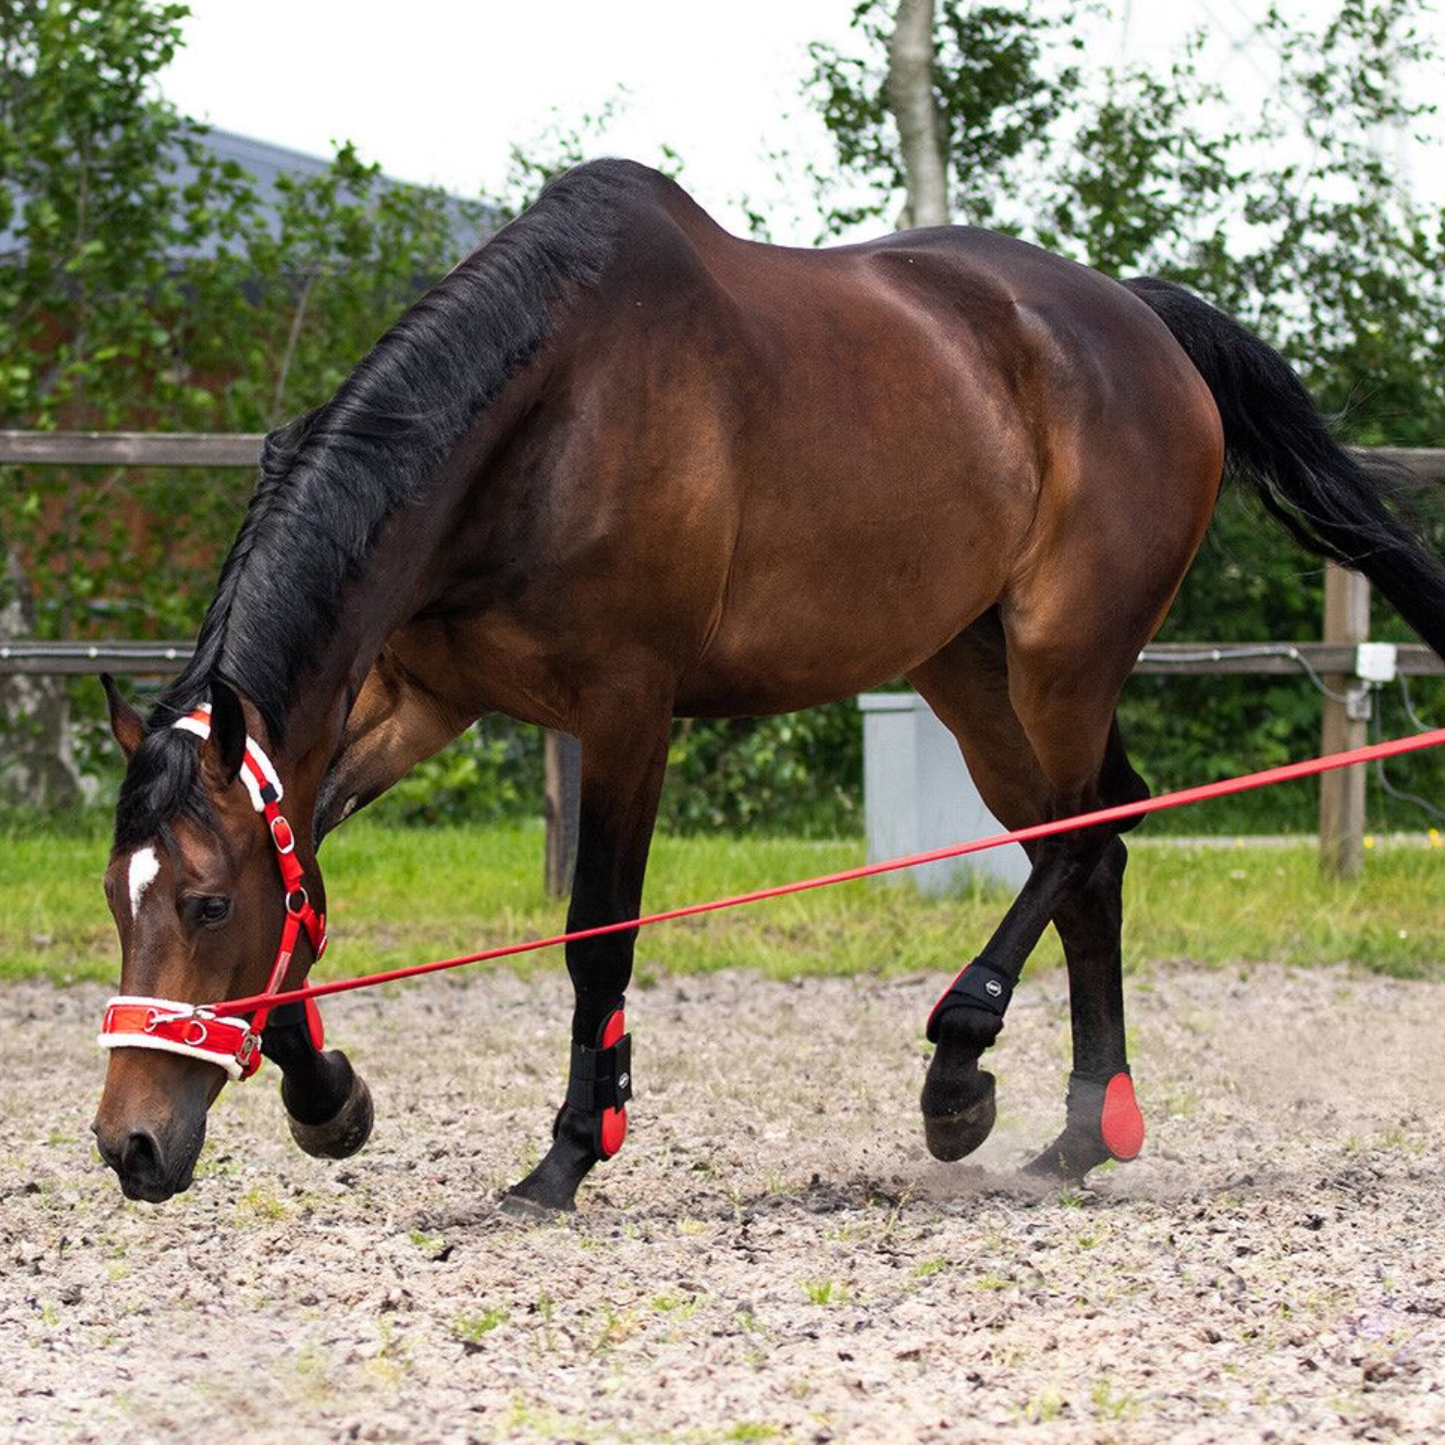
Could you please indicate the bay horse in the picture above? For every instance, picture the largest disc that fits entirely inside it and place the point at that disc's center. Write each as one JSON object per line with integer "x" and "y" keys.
{"x": 620, "y": 466}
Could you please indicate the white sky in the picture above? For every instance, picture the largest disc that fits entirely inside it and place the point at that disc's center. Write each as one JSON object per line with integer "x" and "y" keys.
{"x": 436, "y": 90}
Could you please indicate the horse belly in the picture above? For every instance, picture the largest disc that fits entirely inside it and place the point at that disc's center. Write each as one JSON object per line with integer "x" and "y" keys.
{"x": 849, "y": 587}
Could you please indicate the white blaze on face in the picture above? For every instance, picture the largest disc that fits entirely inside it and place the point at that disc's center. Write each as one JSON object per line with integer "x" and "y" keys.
{"x": 144, "y": 865}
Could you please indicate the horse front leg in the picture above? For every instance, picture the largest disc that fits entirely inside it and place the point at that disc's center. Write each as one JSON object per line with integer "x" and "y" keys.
{"x": 394, "y": 723}
{"x": 328, "y": 1105}
{"x": 624, "y": 756}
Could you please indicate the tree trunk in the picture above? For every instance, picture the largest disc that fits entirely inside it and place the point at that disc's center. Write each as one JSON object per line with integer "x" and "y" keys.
{"x": 910, "y": 97}
{"x": 37, "y": 768}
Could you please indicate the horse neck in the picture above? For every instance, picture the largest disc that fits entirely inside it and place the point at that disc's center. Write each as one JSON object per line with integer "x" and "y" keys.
{"x": 402, "y": 574}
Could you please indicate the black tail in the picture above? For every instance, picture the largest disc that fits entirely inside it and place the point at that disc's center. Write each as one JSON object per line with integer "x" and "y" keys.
{"x": 1331, "y": 502}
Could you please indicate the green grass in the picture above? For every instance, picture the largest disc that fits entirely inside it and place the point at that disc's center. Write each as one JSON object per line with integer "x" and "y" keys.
{"x": 402, "y": 896}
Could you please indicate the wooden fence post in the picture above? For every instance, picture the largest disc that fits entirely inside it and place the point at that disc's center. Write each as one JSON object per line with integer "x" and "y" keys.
{"x": 562, "y": 767}
{"x": 1342, "y": 792}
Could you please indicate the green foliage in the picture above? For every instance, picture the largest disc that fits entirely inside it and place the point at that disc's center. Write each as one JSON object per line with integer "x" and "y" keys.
{"x": 492, "y": 772}
{"x": 800, "y": 773}
{"x": 1141, "y": 188}
{"x": 998, "y": 94}
{"x": 1295, "y": 223}
{"x": 152, "y": 286}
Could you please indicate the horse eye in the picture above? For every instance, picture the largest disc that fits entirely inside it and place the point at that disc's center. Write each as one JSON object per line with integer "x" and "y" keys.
{"x": 211, "y": 911}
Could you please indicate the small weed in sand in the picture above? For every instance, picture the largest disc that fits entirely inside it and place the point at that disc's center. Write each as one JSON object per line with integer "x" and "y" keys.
{"x": 258, "y": 1203}
{"x": 1111, "y": 1403}
{"x": 990, "y": 1281}
{"x": 313, "y": 1371}
{"x": 210, "y": 1167}
{"x": 825, "y": 1292}
{"x": 392, "y": 1360}
{"x": 1047, "y": 1405}
{"x": 617, "y": 1327}
{"x": 751, "y": 1430}
{"x": 430, "y": 1244}
{"x": 677, "y": 1306}
{"x": 544, "y": 1308}
{"x": 470, "y": 1328}
{"x": 926, "y": 1267}
{"x": 542, "y": 1422}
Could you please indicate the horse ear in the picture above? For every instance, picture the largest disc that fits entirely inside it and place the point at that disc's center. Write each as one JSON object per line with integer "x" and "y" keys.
{"x": 125, "y": 721}
{"x": 228, "y": 731}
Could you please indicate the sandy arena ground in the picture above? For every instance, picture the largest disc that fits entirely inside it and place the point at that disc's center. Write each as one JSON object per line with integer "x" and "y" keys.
{"x": 774, "y": 1256}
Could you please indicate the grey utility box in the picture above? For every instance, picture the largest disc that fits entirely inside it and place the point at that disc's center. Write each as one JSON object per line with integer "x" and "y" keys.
{"x": 917, "y": 796}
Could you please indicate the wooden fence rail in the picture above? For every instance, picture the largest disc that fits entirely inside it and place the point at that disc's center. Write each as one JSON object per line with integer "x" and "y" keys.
{"x": 1337, "y": 660}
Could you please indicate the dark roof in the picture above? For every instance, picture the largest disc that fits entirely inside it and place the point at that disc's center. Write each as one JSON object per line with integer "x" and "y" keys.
{"x": 265, "y": 162}
{"x": 262, "y": 158}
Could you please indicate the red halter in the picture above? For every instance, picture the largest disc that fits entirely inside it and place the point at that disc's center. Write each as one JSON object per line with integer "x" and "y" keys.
{"x": 194, "y": 1030}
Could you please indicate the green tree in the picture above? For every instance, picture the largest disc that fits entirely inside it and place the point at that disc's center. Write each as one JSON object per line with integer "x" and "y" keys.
{"x": 1003, "y": 76}
{"x": 148, "y": 285}
{"x": 1296, "y": 224}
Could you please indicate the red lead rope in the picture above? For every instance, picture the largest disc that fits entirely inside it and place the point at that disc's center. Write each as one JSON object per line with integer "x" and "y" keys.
{"x": 1222, "y": 789}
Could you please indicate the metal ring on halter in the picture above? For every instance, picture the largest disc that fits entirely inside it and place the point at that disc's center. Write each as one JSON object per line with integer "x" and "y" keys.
{"x": 196, "y": 1040}
{"x": 293, "y": 908}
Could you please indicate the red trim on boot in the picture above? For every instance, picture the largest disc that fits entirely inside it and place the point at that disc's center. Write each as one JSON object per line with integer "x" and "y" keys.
{"x": 1122, "y": 1124}
{"x": 612, "y": 1123}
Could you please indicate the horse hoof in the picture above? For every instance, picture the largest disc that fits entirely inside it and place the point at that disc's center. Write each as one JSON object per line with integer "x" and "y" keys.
{"x": 951, "y": 1137}
{"x": 1053, "y": 1164}
{"x": 1067, "y": 1160}
{"x": 533, "y": 1211}
{"x": 345, "y": 1132}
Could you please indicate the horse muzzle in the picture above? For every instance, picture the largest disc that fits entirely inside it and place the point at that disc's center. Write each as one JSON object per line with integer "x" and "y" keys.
{"x": 152, "y": 1122}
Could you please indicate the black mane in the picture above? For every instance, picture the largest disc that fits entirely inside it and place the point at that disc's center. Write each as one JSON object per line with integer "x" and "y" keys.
{"x": 332, "y": 479}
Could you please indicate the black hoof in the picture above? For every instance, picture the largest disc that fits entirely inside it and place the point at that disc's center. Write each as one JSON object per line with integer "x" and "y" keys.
{"x": 340, "y": 1136}
{"x": 1069, "y": 1158}
{"x": 957, "y": 1134}
{"x": 526, "y": 1210}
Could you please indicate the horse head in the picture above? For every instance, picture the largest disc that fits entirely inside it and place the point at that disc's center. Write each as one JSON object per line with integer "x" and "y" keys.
{"x": 214, "y": 898}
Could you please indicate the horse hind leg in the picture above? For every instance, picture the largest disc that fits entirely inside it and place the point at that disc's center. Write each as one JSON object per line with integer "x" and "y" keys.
{"x": 1102, "y": 1118}
{"x": 967, "y": 687}
{"x": 970, "y": 688}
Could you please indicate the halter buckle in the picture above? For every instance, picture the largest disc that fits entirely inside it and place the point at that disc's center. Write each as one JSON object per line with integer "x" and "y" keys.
{"x": 247, "y": 1051}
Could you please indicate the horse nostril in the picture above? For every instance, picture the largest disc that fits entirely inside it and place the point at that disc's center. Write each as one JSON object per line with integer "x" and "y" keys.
{"x": 141, "y": 1156}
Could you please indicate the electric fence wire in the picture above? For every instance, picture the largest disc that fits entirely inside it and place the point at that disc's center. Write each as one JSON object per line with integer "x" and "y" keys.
{"x": 1377, "y": 724}
{"x": 1293, "y": 654}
